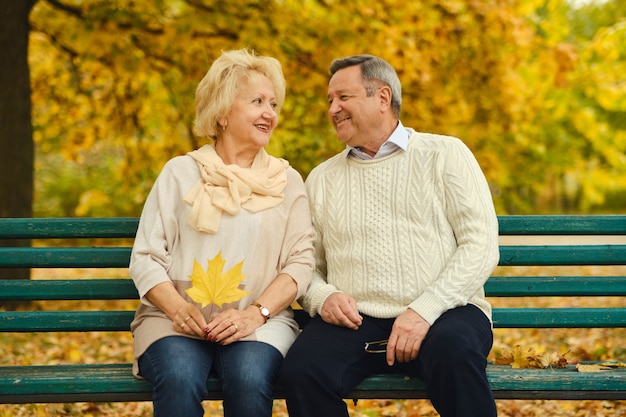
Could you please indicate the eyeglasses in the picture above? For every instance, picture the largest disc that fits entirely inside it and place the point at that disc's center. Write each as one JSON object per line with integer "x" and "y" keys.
{"x": 379, "y": 346}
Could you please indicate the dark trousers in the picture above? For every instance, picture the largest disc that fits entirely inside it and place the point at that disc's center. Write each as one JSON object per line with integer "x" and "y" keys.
{"x": 326, "y": 362}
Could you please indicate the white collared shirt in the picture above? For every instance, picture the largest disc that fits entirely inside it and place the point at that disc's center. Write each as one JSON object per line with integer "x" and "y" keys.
{"x": 399, "y": 139}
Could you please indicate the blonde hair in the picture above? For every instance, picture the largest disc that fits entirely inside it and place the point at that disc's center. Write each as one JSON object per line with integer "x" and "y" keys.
{"x": 217, "y": 91}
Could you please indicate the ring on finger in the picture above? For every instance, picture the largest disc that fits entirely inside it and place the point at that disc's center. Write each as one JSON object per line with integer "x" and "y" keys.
{"x": 186, "y": 319}
{"x": 235, "y": 326}
{"x": 182, "y": 326}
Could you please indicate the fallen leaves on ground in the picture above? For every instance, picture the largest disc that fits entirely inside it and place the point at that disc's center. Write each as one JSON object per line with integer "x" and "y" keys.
{"x": 527, "y": 357}
{"x": 581, "y": 367}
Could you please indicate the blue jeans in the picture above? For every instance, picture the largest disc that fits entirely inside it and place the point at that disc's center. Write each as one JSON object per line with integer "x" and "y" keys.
{"x": 326, "y": 362}
{"x": 178, "y": 367}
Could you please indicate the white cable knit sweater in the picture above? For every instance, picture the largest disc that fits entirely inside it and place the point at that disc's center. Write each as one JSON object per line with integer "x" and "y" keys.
{"x": 416, "y": 229}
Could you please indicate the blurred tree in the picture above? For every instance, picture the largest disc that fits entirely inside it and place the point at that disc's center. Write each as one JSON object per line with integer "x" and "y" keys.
{"x": 16, "y": 142}
{"x": 113, "y": 86}
{"x": 16, "y": 158}
{"x": 575, "y": 153}
{"x": 600, "y": 84}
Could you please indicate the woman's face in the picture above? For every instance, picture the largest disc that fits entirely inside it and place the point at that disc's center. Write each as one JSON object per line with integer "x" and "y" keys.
{"x": 252, "y": 118}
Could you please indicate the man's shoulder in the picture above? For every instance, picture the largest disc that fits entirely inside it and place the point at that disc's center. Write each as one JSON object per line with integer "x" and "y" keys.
{"x": 432, "y": 140}
{"x": 332, "y": 163}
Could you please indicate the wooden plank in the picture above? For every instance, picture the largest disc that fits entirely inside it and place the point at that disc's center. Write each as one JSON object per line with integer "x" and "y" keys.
{"x": 559, "y": 317}
{"x": 37, "y": 228}
{"x": 114, "y": 382}
{"x": 565, "y": 286}
{"x": 69, "y": 227}
{"x": 505, "y": 380}
{"x": 22, "y": 384}
{"x": 65, "y": 321}
{"x": 558, "y": 255}
{"x": 68, "y": 289}
{"x": 118, "y": 257}
{"x": 496, "y": 286}
{"x": 564, "y": 379}
{"x": 126, "y": 226}
{"x": 115, "y": 320}
{"x": 110, "y": 257}
{"x": 563, "y": 225}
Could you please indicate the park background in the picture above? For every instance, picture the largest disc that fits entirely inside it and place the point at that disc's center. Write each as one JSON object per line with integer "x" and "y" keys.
{"x": 98, "y": 94}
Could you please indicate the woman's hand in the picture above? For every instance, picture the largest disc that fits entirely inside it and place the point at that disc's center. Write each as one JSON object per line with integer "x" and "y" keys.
{"x": 231, "y": 325}
{"x": 189, "y": 320}
{"x": 186, "y": 317}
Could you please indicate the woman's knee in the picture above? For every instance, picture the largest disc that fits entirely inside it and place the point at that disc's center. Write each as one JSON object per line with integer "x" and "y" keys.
{"x": 249, "y": 366}
{"x": 176, "y": 362}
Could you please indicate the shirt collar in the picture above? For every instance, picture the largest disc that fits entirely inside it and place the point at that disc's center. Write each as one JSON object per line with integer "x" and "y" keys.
{"x": 399, "y": 139}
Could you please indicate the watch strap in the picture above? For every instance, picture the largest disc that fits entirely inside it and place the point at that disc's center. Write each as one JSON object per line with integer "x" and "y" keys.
{"x": 265, "y": 312}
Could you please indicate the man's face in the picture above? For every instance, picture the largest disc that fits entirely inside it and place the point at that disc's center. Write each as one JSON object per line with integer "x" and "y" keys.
{"x": 354, "y": 115}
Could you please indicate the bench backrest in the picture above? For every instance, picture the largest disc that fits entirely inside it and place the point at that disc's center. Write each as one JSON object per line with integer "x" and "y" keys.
{"x": 69, "y": 243}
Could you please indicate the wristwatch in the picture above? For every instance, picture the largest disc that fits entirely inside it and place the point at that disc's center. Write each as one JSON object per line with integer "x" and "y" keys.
{"x": 264, "y": 311}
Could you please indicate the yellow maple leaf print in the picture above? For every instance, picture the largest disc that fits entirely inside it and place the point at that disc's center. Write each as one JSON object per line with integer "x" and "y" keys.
{"x": 213, "y": 286}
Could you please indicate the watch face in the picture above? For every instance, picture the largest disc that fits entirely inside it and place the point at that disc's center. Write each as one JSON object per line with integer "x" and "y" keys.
{"x": 265, "y": 312}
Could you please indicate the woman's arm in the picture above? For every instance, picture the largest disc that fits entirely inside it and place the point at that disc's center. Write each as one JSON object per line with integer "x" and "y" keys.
{"x": 186, "y": 317}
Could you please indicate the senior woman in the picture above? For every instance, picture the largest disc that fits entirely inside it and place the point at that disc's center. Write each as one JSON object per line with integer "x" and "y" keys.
{"x": 224, "y": 246}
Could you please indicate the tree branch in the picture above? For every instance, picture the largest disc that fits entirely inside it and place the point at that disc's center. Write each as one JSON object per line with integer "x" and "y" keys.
{"x": 75, "y": 11}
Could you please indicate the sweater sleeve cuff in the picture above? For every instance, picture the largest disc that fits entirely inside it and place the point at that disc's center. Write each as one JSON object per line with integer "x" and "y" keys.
{"x": 315, "y": 298}
{"x": 429, "y": 307}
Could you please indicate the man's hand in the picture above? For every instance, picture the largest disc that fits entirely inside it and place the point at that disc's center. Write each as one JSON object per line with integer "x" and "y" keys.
{"x": 406, "y": 337}
{"x": 340, "y": 309}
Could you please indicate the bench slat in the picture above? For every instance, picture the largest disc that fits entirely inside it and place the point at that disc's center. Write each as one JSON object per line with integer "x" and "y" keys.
{"x": 33, "y": 228}
{"x": 565, "y": 383}
{"x": 496, "y": 286}
{"x": 69, "y": 289}
{"x": 118, "y": 257}
{"x": 562, "y": 255}
{"x": 65, "y": 321}
{"x": 563, "y": 225}
{"x": 558, "y": 317}
{"x": 83, "y": 321}
{"x": 114, "y": 382}
{"x": 568, "y": 286}
{"x": 70, "y": 383}
{"x": 70, "y": 227}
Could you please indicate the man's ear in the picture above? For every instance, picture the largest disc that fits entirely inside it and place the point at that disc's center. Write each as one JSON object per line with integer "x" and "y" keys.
{"x": 384, "y": 96}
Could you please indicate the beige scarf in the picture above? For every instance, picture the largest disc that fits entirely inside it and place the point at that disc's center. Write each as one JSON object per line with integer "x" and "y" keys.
{"x": 230, "y": 187}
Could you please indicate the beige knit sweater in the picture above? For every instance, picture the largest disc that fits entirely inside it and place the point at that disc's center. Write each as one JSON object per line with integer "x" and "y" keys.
{"x": 268, "y": 242}
{"x": 416, "y": 229}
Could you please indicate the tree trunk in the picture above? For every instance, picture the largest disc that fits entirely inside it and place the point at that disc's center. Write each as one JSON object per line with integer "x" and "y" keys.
{"x": 16, "y": 138}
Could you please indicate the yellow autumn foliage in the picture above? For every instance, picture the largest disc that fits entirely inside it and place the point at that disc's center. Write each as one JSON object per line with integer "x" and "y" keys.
{"x": 540, "y": 101}
{"x": 528, "y": 357}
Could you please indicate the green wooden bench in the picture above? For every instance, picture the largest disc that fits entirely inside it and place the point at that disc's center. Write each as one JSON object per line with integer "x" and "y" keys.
{"x": 114, "y": 382}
